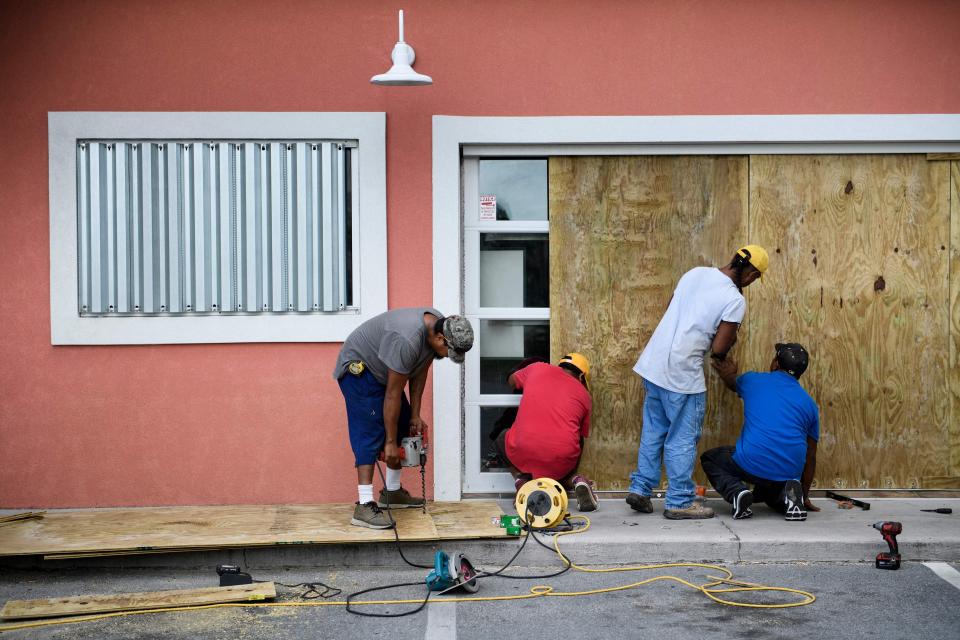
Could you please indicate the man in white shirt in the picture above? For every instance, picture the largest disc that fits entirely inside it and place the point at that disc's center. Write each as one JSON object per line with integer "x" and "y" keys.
{"x": 704, "y": 313}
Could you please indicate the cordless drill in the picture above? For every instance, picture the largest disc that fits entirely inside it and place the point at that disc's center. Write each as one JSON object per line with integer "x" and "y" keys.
{"x": 889, "y": 531}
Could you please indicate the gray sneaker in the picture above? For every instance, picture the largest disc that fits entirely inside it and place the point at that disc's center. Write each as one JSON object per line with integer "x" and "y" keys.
{"x": 640, "y": 503}
{"x": 583, "y": 490}
{"x": 369, "y": 515}
{"x": 696, "y": 511}
{"x": 398, "y": 499}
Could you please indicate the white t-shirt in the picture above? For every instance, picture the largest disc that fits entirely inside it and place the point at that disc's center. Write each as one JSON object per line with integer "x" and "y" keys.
{"x": 673, "y": 359}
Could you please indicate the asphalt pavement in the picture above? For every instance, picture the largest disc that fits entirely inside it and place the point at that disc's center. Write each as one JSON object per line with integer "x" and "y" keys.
{"x": 852, "y": 601}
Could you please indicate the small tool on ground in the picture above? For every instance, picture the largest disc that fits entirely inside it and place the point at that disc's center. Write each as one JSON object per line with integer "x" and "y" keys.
{"x": 841, "y": 498}
{"x": 889, "y": 530}
{"x": 452, "y": 571}
{"x": 939, "y": 510}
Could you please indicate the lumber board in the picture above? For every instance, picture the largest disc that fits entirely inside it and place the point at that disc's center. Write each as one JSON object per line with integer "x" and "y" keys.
{"x": 859, "y": 275}
{"x": 622, "y": 232}
{"x": 17, "y": 517}
{"x": 943, "y": 156}
{"x": 953, "y": 371}
{"x": 109, "y": 603}
{"x": 161, "y": 529}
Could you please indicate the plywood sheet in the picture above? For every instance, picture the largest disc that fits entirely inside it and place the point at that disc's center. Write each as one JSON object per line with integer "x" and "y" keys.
{"x": 170, "y": 528}
{"x": 85, "y": 605}
{"x": 953, "y": 372}
{"x": 622, "y": 232}
{"x": 859, "y": 274}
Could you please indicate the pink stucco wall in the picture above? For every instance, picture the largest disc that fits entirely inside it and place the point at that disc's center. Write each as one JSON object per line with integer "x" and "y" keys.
{"x": 261, "y": 423}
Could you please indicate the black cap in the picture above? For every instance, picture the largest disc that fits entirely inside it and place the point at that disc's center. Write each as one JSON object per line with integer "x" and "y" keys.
{"x": 792, "y": 358}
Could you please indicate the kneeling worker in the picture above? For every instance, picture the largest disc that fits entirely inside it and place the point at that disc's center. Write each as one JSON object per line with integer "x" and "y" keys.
{"x": 546, "y": 439}
{"x": 777, "y": 448}
{"x": 378, "y": 359}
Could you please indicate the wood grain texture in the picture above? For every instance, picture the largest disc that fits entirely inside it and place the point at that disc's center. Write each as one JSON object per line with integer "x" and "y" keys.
{"x": 943, "y": 156}
{"x": 953, "y": 372}
{"x": 150, "y": 529}
{"x": 859, "y": 275}
{"x": 622, "y": 232}
{"x": 85, "y": 605}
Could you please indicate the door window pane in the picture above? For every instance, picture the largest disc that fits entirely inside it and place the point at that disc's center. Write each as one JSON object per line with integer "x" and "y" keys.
{"x": 520, "y": 188}
{"x": 514, "y": 270}
{"x": 504, "y": 344}
{"x": 493, "y": 420}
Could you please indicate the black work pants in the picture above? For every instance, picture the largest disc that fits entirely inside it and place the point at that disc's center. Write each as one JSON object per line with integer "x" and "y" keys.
{"x": 729, "y": 479}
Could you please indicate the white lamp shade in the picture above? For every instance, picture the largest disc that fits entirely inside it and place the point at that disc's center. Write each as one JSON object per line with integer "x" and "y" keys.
{"x": 401, "y": 74}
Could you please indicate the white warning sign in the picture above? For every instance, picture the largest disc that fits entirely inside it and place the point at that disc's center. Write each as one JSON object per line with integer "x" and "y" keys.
{"x": 488, "y": 207}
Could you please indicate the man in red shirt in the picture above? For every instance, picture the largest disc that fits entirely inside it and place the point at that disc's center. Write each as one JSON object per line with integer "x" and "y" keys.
{"x": 546, "y": 439}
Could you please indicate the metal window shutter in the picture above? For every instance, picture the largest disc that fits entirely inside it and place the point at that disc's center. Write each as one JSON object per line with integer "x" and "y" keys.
{"x": 186, "y": 227}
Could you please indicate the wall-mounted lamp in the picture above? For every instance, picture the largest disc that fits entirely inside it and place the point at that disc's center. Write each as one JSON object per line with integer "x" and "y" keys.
{"x": 401, "y": 74}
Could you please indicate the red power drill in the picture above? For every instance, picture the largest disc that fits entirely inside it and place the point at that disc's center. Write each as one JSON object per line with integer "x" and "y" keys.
{"x": 889, "y": 531}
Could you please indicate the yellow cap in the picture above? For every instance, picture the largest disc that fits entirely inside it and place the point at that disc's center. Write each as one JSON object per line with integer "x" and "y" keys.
{"x": 580, "y": 362}
{"x": 756, "y": 256}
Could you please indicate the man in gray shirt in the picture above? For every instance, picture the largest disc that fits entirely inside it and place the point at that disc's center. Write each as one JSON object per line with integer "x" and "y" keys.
{"x": 379, "y": 358}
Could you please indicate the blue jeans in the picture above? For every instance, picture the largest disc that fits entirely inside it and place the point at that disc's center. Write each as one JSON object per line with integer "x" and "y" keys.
{"x": 672, "y": 423}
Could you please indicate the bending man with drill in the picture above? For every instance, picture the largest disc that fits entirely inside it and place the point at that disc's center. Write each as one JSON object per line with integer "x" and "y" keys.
{"x": 777, "y": 448}
{"x": 379, "y": 358}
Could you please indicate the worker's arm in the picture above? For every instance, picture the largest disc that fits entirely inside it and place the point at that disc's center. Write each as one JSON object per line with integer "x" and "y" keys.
{"x": 724, "y": 340}
{"x": 391, "y": 414}
{"x": 809, "y": 469}
{"x": 727, "y": 368}
{"x": 417, "y": 384}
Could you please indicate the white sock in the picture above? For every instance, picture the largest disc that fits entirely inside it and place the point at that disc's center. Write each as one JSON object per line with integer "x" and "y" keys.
{"x": 366, "y": 493}
{"x": 393, "y": 479}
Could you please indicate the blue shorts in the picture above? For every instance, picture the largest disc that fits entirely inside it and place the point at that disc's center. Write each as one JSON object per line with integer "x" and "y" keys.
{"x": 364, "y": 397}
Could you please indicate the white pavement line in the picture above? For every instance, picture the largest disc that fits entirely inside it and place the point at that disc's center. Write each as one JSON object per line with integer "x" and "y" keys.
{"x": 441, "y": 620}
{"x": 945, "y": 571}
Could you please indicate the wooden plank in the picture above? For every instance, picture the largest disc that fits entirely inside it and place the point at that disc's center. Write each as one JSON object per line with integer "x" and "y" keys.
{"x": 86, "y": 605}
{"x": 859, "y": 275}
{"x": 150, "y": 529}
{"x": 949, "y": 483}
{"x": 26, "y": 515}
{"x": 622, "y": 232}
{"x": 953, "y": 372}
{"x": 943, "y": 156}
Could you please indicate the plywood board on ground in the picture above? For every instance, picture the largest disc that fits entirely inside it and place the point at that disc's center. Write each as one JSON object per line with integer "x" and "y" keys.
{"x": 170, "y": 528}
{"x": 85, "y": 605}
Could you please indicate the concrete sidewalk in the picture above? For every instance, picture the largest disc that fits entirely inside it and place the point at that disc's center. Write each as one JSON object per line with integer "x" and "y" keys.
{"x": 619, "y": 536}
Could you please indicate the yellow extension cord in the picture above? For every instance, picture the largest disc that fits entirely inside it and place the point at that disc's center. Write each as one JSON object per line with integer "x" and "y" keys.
{"x": 539, "y": 591}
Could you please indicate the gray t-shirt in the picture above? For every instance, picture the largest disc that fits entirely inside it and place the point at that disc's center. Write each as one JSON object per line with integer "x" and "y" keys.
{"x": 394, "y": 339}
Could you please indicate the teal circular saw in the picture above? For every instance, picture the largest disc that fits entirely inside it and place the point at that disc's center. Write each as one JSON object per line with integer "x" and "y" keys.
{"x": 452, "y": 572}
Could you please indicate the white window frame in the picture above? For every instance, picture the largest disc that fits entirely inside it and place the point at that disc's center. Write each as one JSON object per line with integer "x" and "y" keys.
{"x": 66, "y": 128}
{"x": 485, "y": 481}
{"x": 457, "y": 136}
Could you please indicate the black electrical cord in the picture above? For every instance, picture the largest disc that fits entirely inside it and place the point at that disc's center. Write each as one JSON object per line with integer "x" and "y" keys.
{"x": 313, "y": 591}
{"x": 486, "y": 574}
{"x": 366, "y": 614}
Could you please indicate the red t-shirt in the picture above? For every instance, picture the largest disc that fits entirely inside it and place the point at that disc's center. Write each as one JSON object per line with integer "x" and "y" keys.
{"x": 554, "y": 414}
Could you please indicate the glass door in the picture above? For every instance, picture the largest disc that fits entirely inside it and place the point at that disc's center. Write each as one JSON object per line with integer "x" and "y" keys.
{"x": 506, "y": 296}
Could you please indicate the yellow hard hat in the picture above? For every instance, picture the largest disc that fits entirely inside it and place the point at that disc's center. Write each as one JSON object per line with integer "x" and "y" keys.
{"x": 756, "y": 256}
{"x": 579, "y": 361}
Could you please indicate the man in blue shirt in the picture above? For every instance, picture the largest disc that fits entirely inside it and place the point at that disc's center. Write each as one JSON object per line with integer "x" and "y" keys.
{"x": 777, "y": 448}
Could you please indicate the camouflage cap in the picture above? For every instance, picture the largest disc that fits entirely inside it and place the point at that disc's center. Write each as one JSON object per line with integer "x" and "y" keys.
{"x": 459, "y": 334}
{"x": 792, "y": 358}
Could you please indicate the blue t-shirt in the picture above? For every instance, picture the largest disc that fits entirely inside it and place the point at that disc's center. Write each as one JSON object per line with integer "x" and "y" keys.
{"x": 778, "y": 415}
